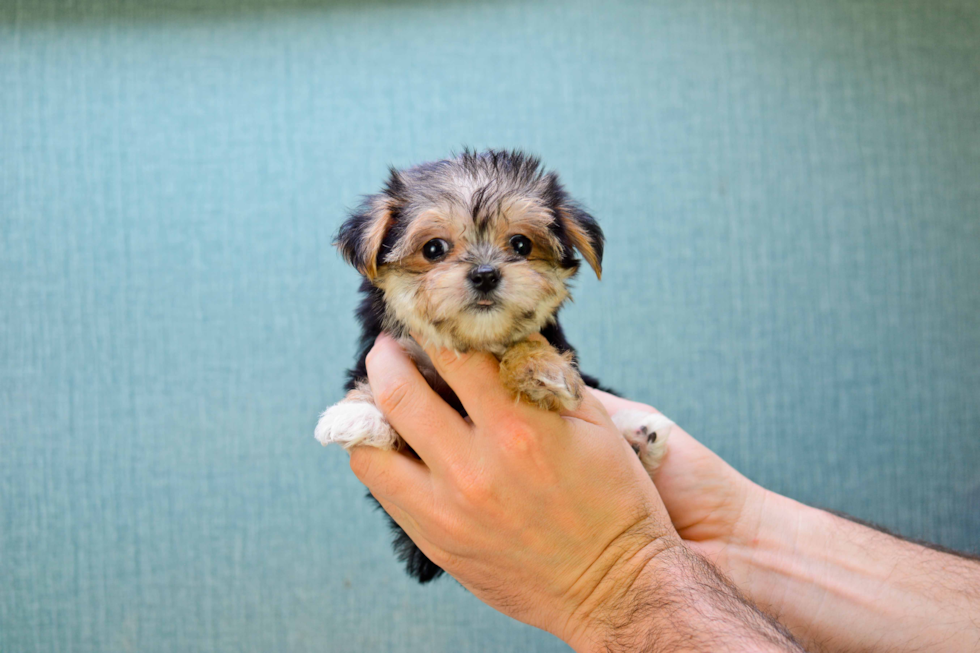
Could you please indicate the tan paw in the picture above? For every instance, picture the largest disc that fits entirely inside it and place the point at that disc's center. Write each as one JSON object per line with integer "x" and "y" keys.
{"x": 536, "y": 373}
{"x": 647, "y": 433}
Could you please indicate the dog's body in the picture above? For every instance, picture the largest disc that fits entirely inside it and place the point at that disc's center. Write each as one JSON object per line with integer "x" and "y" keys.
{"x": 472, "y": 253}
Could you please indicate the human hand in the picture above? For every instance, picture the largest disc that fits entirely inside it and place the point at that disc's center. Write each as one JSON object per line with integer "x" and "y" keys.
{"x": 549, "y": 518}
{"x": 835, "y": 584}
{"x": 543, "y": 516}
{"x": 715, "y": 509}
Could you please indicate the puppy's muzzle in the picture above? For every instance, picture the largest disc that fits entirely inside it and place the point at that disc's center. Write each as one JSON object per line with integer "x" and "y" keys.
{"x": 484, "y": 278}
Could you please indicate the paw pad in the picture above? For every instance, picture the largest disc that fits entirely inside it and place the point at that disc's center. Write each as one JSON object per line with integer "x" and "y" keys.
{"x": 647, "y": 434}
{"x": 650, "y": 435}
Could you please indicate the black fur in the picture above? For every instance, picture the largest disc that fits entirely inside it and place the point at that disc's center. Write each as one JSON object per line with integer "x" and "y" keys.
{"x": 521, "y": 168}
{"x": 371, "y": 312}
{"x": 560, "y": 203}
{"x": 350, "y": 238}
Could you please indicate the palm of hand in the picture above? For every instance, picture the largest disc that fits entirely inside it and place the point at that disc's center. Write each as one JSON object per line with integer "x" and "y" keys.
{"x": 713, "y": 507}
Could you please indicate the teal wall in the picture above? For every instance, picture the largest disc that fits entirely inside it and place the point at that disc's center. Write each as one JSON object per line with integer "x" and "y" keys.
{"x": 791, "y": 198}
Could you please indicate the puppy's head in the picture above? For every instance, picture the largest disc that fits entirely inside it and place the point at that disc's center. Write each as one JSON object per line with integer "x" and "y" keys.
{"x": 473, "y": 252}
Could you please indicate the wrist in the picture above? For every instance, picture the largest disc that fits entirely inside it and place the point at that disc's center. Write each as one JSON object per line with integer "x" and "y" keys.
{"x": 789, "y": 558}
{"x": 606, "y": 612}
{"x": 678, "y": 601}
{"x": 769, "y": 548}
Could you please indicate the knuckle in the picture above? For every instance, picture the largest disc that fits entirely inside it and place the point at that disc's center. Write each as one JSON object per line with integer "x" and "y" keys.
{"x": 361, "y": 462}
{"x": 372, "y": 356}
{"x": 393, "y": 396}
{"x": 449, "y": 359}
{"x": 371, "y": 470}
{"x": 384, "y": 348}
{"x": 516, "y": 436}
{"x": 474, "y": 487}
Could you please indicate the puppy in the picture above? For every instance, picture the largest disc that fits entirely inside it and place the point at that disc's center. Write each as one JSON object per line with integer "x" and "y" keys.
{"x": 472, "y": 253}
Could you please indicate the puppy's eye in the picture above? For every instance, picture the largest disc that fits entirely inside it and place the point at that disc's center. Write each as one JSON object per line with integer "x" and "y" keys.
{"x": 435, "y": 249}
{"x": 521, "y": 245}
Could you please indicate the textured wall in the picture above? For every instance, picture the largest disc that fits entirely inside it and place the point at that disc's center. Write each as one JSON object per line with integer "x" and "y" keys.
{"x": 790, "y": 195}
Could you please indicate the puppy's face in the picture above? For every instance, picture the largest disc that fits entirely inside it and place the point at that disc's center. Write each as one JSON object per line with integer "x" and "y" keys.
{"x": 473, "y": 252}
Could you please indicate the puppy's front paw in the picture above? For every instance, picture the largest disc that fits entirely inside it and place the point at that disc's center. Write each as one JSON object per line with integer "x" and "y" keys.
{"x": 647, "y": 433}
{"x": 534, "y": 371}
{"x": 353, "y": 423}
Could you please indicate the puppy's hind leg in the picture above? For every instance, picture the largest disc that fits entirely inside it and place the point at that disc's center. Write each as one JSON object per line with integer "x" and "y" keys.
{"x": 647, "y": 433}
{"x": 355, "y": 421}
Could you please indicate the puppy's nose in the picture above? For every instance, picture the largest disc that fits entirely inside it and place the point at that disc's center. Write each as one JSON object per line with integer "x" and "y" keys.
{"x": 484, "y": 278}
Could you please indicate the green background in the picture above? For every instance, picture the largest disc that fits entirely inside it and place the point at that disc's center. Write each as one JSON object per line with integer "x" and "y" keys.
{"x": 791, "y": 199}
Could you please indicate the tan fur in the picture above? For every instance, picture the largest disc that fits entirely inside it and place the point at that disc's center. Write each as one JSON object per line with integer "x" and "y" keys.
{"x": 375, "y": 235}
{"x": 361, "y": 392}
{"x": 477, "y": 206}
{"x": 477, "y": 203}
{"x": 434, "y": 299}
{"x": 580, "y": 239}
{"x": 528, "y": 217}
{"x": 443, "y": 222}
{"x": 535, "y": 372}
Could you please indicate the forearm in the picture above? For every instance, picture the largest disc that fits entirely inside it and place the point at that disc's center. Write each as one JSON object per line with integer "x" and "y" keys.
{"x": 679, "y": 602}
{"x": 840, "y": 585}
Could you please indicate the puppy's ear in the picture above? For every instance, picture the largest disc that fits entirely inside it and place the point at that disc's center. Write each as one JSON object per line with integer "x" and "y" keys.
{"x": 361, "y": 236}
{"x": 575, "y": 227}
{"x": 586, "y": 236}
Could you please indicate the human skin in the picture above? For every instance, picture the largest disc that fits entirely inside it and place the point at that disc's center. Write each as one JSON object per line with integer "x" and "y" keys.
{"x": 835, "y": 584}
{"x": 548, "y": 518}
{"x": 552, "y": 520}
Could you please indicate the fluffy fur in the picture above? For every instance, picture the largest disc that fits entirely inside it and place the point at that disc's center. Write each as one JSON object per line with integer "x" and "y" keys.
{"x": 472, "y": 253}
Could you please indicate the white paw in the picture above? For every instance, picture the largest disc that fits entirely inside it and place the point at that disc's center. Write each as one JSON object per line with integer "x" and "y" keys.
{"x": 354, "y": 423}
{"x": 647, "y": 433}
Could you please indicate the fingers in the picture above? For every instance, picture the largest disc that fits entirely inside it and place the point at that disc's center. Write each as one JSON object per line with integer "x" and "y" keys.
{"x": 403, "y": 487}
{"x": 614, "y": 404}
{"x": 475, "y": 378}
{"x": 392, "y": 475}
{"x": 402, "y": 518}
{"x": 429, "y": 425}
{"x": 412, "y": 529}
{"x": 593, "y": 408}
